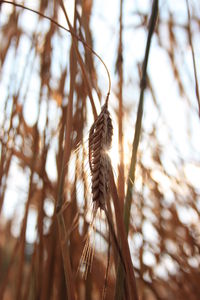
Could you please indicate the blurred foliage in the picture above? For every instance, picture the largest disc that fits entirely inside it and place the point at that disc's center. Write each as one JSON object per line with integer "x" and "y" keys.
{"x": 40, "y": 78}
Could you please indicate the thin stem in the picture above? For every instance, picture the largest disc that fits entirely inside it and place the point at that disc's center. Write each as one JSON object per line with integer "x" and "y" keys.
{"x": 119, "y": 287}
{"x": 119, "y": 66}
{"x": 80, "y": 60}
{"x": 193, "y": 56}
{"x": 107, "y": 269}
{"x": 131, "y": 177}
{"x": 66, "y": 155}
{"x": 124, "y": 253}
{"x": 72, "y": 33}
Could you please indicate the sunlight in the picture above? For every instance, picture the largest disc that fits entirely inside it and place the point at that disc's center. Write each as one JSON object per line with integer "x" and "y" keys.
{"x": 192, "y": 173}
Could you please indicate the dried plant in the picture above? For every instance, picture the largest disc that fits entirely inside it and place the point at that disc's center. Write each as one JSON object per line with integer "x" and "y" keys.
{"x": 76, "y": 196}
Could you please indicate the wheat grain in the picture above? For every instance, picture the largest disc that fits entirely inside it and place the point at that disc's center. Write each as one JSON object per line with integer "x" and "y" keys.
{"x": 100, "y": 139}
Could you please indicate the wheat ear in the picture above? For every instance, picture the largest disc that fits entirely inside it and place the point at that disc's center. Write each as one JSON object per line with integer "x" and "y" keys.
{"x": 100, "y": 139}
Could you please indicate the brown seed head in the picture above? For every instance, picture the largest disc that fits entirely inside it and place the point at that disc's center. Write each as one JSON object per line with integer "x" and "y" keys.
{"x": 100, "y": 139}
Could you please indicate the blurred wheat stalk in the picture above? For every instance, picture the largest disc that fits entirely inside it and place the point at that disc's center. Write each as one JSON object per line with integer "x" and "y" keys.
{"x": 49, "y": 95}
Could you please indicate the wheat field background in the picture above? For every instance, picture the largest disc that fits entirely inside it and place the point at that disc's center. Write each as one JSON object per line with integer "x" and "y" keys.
{"x": 99, "y": 150}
